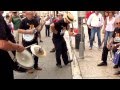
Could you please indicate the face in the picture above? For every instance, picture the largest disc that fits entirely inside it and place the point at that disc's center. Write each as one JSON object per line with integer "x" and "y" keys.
{"x": 110, "y": 13}
{"x": 106, "y": 14}
{"x": 60, "y": 17}
{"x": 14, "y": 13}
{"x": 29, "y": 15}
{"x": 117, "y": 23}
{"x": 96, "y": 12}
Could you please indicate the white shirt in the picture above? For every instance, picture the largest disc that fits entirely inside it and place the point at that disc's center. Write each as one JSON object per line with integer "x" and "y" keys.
{"x": 110, "y": 24}
{"x": 95, "y": 20}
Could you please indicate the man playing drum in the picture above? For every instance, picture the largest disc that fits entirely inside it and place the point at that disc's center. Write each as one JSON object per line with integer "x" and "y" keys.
{"x": 7, "y": 43}
{"x": 27, "y": 27}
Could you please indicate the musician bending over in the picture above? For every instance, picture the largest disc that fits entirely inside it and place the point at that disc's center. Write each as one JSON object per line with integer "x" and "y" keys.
{"x": 7, "y": 43}
{"x": 112, "y": 45}
{"x": 27, "y": 27}
{"x": 59, "y": 42}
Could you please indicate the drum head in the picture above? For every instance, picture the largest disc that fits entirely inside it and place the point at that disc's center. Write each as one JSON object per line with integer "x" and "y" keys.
{"x": 28, "y": 37}
{"x": 25, "y": 59}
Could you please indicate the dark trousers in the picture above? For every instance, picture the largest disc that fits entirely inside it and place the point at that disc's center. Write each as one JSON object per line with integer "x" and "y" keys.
{"x": 6, "y": 67}
{"x": 89, "y": 33}
{"x": 35, "y": 57}
{"x": 105, "y": 53}
{"x": 61, "y": 49}
{"x": 47, "y": 30}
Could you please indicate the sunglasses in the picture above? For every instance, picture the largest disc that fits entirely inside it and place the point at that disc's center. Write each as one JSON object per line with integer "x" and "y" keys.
{"x": 118, "y": 23}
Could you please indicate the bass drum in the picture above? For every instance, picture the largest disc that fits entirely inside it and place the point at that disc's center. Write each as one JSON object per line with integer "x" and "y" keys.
{"x": 24, "y": 61}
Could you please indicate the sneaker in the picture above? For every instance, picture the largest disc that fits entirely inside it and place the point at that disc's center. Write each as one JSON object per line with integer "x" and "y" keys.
{"x": 115, "y": 66}
{"x": 38, "y": 68}
{"x": 58, "y": 65}
{"x": 117, "y": 73}
{"x": 102, "y": 64}
{"x": 90, "y": 48}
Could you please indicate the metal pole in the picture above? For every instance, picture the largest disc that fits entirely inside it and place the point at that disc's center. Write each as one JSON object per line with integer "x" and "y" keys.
{"x": 81, "y": 44}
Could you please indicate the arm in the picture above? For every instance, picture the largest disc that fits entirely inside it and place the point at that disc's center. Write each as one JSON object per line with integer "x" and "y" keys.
{"x": 8, "y": 45}
{"x": 89, "y": 21}
{"x": 105, "y": 23}
{"x": 53, "y": 28}
{"x": 23, "y": 31}
{"x": 30, "y": 31}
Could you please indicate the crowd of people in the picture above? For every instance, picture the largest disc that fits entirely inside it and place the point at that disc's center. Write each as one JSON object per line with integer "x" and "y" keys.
{"x": 110, "y": 26}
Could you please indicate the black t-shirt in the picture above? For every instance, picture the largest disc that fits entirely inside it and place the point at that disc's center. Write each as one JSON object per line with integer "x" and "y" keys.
{"x": 59, "y": 27}
{"x": 5, "y": 34}
{"x": 25, "y": 24}
{"x": 116, "y": 35}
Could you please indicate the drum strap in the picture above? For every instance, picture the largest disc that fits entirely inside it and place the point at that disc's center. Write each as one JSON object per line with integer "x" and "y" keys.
{"x": 12, "y": 56}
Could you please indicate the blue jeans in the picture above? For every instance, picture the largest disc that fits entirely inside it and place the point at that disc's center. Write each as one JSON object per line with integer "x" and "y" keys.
{"x": 93, "y": 31}
{"x": 108, "y": 34}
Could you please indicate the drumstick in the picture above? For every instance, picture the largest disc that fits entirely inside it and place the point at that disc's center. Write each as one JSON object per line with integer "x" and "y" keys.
{"x": 30, "y": 45}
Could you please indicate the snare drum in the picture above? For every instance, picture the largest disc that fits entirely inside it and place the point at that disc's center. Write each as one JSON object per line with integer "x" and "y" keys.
{"x": 28, "y": 37}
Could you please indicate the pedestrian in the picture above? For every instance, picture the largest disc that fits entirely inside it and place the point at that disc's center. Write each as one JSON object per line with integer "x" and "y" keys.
{"x": 7, "y": 43}
{"x": 88, "y": 13}
{"x": 59, "y": 17}
{"x": 106, "y": 13}
{"x": 47, "y": 26}
{"x": 59, "y": 42}
{"x": 25, "y": 28}
{"x": 10, "y": 25}
{"x": 109, "y": 26}
{"x": 95, "y": 22}
{"x": 37, "y": 17}
{"x": 16, "y": 20}
{"x": 113, "y": 44}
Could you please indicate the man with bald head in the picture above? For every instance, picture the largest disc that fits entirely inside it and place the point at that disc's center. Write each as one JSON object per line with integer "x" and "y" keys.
{"x": 25, "y": 29}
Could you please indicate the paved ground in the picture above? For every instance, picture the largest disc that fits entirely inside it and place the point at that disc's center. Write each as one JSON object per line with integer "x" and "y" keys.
{"x": 48, "y": 63}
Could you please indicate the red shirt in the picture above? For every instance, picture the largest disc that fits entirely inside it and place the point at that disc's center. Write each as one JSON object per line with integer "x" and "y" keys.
{"x": 88, "y": 14}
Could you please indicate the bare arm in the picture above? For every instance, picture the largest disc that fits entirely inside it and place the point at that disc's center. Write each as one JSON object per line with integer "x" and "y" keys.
{"x": 53, "y": 28}
{"x": 8, "y": 45}
{"x": 30, "y": 31}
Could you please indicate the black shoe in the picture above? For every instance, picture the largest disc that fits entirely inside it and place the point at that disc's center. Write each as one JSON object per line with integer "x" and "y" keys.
{"x": 69, "y": 62}
{"x": 102, "y": 64}
{"x": 115, "y": 66}
{"x": 58, "y": 65}
{"x": 41, "y": 41}
{"x": 53, "y": 50}
{"x": 117, "y": 73}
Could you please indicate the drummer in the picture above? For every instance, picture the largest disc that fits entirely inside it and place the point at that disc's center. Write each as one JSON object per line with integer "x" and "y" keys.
{"x": 7, "y": 43}
{"x": 24, "y": 29}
